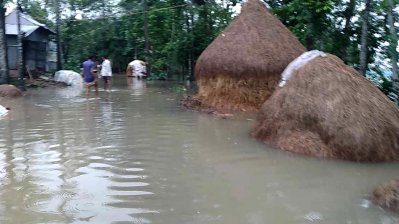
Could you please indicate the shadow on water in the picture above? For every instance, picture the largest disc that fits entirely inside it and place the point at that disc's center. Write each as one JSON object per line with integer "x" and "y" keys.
{"x": 134, "y": 156}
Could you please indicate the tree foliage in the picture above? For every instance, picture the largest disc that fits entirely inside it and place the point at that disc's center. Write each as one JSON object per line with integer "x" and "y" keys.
{"x": 335, "y": 26}
{"x": 179, "y": 31}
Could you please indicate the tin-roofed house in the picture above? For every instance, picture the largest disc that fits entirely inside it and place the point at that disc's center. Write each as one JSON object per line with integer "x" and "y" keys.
{"x": 36, "y": 42}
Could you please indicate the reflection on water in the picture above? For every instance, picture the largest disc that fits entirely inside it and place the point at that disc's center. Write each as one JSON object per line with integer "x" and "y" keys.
{"x": 137, "y": 85}
{"x": 133, "y": 156}
{"x": 69, "y": 92}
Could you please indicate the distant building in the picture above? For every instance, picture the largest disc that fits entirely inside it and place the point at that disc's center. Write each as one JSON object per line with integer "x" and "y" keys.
{"x": 38, "y": 50}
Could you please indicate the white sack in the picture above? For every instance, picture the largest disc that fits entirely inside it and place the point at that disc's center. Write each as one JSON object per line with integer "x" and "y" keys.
{"x": 3, "y": 111}
{"x": 69, "y": 77}
{"x": 296, "y": 64}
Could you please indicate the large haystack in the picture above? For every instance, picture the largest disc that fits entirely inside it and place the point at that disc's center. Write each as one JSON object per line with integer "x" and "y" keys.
{"x": 327, "y": 109}
{"x": 387, "y": 195}
{"x": 9, "y": 91}
{"x": 240, "y": 69}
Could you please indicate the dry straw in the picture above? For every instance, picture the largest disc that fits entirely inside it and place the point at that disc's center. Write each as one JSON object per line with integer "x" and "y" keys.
{"x": 9, "y": 91}
{"x": 387, "y": 195}
{"x": 327, "y": 109}
{"x": 240, "y": 69}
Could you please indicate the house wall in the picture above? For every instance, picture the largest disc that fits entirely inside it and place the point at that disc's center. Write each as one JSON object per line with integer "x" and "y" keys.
{"x": 35, "y": 55}
{"x": 11, "y": 40}
{"x": 12, "y": 52}
{"x": 40, "y": 35}
{"x": 51, "y": 56}
{"x": 34, "y": 50}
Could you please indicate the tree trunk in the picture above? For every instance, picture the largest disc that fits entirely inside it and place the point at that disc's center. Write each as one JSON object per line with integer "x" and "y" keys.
{"x": 393, "y": 44}
{"x": 310, "y": 38}
{"x": 146, "y": 37}
{"x": 58, "y": 33}
{"x": 348, "y": 15}
{"x": 3, "y": 49}
{"x": 364, "y": 44}
{"x": 104, "y": 14}
{"x": 190, "y": 55}
{"x": 20, "y": 58}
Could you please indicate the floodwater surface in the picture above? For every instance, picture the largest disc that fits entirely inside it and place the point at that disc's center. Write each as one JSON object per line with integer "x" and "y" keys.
{"x": 135, "y": 156}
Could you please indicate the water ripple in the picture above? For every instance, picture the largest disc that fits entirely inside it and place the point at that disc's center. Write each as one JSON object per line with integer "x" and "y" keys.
{"x": 133, "y": 156}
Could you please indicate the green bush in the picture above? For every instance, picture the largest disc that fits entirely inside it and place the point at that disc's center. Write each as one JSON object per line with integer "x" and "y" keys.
{"x": 158, "y": 76}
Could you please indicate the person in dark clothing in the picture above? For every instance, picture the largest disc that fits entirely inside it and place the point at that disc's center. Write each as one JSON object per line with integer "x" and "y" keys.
{"x": 89, "y": 76}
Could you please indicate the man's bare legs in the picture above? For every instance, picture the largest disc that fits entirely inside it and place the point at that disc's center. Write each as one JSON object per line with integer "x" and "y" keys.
{"x": 87, "y": 91}
{"x": 107, "y": 83}
{"x": 96, "y": 88}
{"x": 88, "y": 87}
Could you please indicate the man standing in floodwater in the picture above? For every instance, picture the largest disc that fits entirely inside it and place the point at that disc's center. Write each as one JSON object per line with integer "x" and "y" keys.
{"x": 106, "y": 73}
{"x": 88, "y": 75}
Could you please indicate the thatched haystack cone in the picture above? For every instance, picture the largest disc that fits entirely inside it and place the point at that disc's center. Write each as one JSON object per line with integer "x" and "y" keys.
{"x": 240, "y": 69}
{"x": 327, "y": 109}
{"x": 387, "y": 195}
{"x": 9, "y": 91}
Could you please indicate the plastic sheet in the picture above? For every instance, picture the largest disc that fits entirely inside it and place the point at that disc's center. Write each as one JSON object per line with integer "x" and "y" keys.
{"x": 296, "y": 64}
{"x": 69, "y": 77}
{"x": 3, "y": 111}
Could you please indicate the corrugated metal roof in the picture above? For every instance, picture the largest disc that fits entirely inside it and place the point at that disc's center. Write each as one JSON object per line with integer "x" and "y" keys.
{"x": 26, "y": 30}
{"x": 30, "y": 19}
{"x": 28, "y": 24}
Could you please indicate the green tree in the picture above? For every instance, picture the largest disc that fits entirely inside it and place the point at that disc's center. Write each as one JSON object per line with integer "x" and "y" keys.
{"x": 36, "y": 9}
{"x": 364, "y": 37}
{"x": 392, "y": 33}
{"x": 308, "y": 19}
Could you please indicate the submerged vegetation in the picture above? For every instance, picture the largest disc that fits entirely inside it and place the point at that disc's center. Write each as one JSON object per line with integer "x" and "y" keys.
{"x": 387, "y": 195}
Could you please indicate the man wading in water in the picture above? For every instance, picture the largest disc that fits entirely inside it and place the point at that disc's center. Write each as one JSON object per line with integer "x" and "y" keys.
{"x": 106, "y": 73}
{"x": 89, "y": 76}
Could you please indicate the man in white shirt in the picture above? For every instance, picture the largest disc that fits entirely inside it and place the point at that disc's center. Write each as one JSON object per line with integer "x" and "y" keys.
{"x": 106, "y": 73}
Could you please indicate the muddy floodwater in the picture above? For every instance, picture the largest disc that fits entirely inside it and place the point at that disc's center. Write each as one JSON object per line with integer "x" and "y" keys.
{"x": 135, "y": 156}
